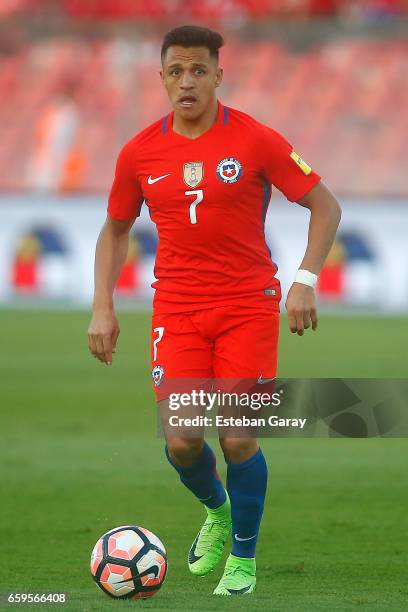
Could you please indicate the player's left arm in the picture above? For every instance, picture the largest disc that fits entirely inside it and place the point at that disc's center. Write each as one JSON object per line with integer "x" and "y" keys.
{"x": 325, "y": 214}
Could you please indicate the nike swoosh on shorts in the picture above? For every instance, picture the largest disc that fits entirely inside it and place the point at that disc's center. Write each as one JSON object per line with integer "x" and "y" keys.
{"x": 264, "y": 381}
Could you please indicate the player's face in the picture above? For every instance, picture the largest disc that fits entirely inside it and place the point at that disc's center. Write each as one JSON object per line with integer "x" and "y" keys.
{"x": 190, "y": 76}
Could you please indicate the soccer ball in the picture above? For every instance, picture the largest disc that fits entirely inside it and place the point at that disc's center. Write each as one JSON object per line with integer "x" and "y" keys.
{"x": 129, "y": 562}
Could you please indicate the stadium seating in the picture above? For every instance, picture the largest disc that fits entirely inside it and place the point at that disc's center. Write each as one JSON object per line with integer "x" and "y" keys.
{"x": 204, "y": 9}
{"x": 343, "y": 104}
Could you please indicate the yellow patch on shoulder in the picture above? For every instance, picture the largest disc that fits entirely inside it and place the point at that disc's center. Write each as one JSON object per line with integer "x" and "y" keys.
{"x": 302, "y": 164}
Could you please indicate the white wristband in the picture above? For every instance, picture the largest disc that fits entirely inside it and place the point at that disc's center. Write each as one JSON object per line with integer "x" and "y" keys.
{"x": 306, "y": 278}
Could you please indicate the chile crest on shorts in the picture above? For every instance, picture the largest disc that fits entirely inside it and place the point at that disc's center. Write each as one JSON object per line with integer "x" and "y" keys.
{"x": 229, "y": 170}
{"x": 157, "y": 374}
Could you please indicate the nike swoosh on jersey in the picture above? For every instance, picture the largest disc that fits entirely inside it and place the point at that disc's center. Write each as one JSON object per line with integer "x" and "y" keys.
{"x": 151, "y": 180}
{"x": 238, "y": 539}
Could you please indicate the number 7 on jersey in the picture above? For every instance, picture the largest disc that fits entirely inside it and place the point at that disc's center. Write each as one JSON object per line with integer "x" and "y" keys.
{"x": 200, "y": 196}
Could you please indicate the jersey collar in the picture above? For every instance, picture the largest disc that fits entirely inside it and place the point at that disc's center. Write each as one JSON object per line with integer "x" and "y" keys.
{"x": 222, "y": 119}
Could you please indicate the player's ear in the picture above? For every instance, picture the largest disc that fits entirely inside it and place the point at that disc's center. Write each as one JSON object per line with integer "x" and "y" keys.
{"x": 218, "y": 77}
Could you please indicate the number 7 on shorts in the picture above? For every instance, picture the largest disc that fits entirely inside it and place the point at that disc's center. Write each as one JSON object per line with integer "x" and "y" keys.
{"x": 160, "y": 332}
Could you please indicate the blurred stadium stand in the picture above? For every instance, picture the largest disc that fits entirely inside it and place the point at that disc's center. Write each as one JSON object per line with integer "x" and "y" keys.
{"x": 66, "y": 106}
{"x": 78, "y": 78}
{"x": 207, "y": 9}
{"x": 69, "y": 99}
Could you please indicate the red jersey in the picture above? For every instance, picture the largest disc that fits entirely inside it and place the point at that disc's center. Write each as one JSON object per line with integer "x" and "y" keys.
{"x": 208, "y": 197}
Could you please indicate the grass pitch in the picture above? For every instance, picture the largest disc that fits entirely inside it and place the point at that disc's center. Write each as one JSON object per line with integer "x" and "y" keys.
{"x": 80, "y": 455}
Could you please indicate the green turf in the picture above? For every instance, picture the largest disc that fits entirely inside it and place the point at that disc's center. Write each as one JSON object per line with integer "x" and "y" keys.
{"x": 80, "y": 455}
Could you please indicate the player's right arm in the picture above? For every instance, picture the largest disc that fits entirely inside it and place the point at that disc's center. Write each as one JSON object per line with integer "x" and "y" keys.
{"x": 111, "y": 251}
{"x": 125, "y": 201}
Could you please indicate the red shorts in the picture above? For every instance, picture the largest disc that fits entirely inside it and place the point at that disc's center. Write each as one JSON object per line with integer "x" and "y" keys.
{"x": 225, "y": 342}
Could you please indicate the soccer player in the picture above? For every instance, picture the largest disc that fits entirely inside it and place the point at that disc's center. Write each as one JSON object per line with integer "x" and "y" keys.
{"x": 205, "y": 172}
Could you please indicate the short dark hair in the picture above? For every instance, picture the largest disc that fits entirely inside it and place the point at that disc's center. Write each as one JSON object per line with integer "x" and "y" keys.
{"x": 193, "y": 36}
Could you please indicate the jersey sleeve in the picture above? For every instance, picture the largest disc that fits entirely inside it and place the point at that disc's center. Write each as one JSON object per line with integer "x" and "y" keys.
{"x": 284, "y": 168}
{"x": 126, "y": 197}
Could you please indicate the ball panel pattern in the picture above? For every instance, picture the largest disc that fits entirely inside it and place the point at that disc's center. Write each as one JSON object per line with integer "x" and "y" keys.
{"x": 129, "y": 562}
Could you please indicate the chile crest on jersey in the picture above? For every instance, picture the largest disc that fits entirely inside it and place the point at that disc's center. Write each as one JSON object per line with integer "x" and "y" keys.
{"x": 229, "y": 170}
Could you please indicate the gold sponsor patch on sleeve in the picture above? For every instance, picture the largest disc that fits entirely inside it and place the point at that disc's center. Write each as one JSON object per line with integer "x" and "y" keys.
{"x": 302, "y": 164}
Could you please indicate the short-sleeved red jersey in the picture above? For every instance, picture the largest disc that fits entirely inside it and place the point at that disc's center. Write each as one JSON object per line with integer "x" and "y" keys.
{"x": 208, "y": 197}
